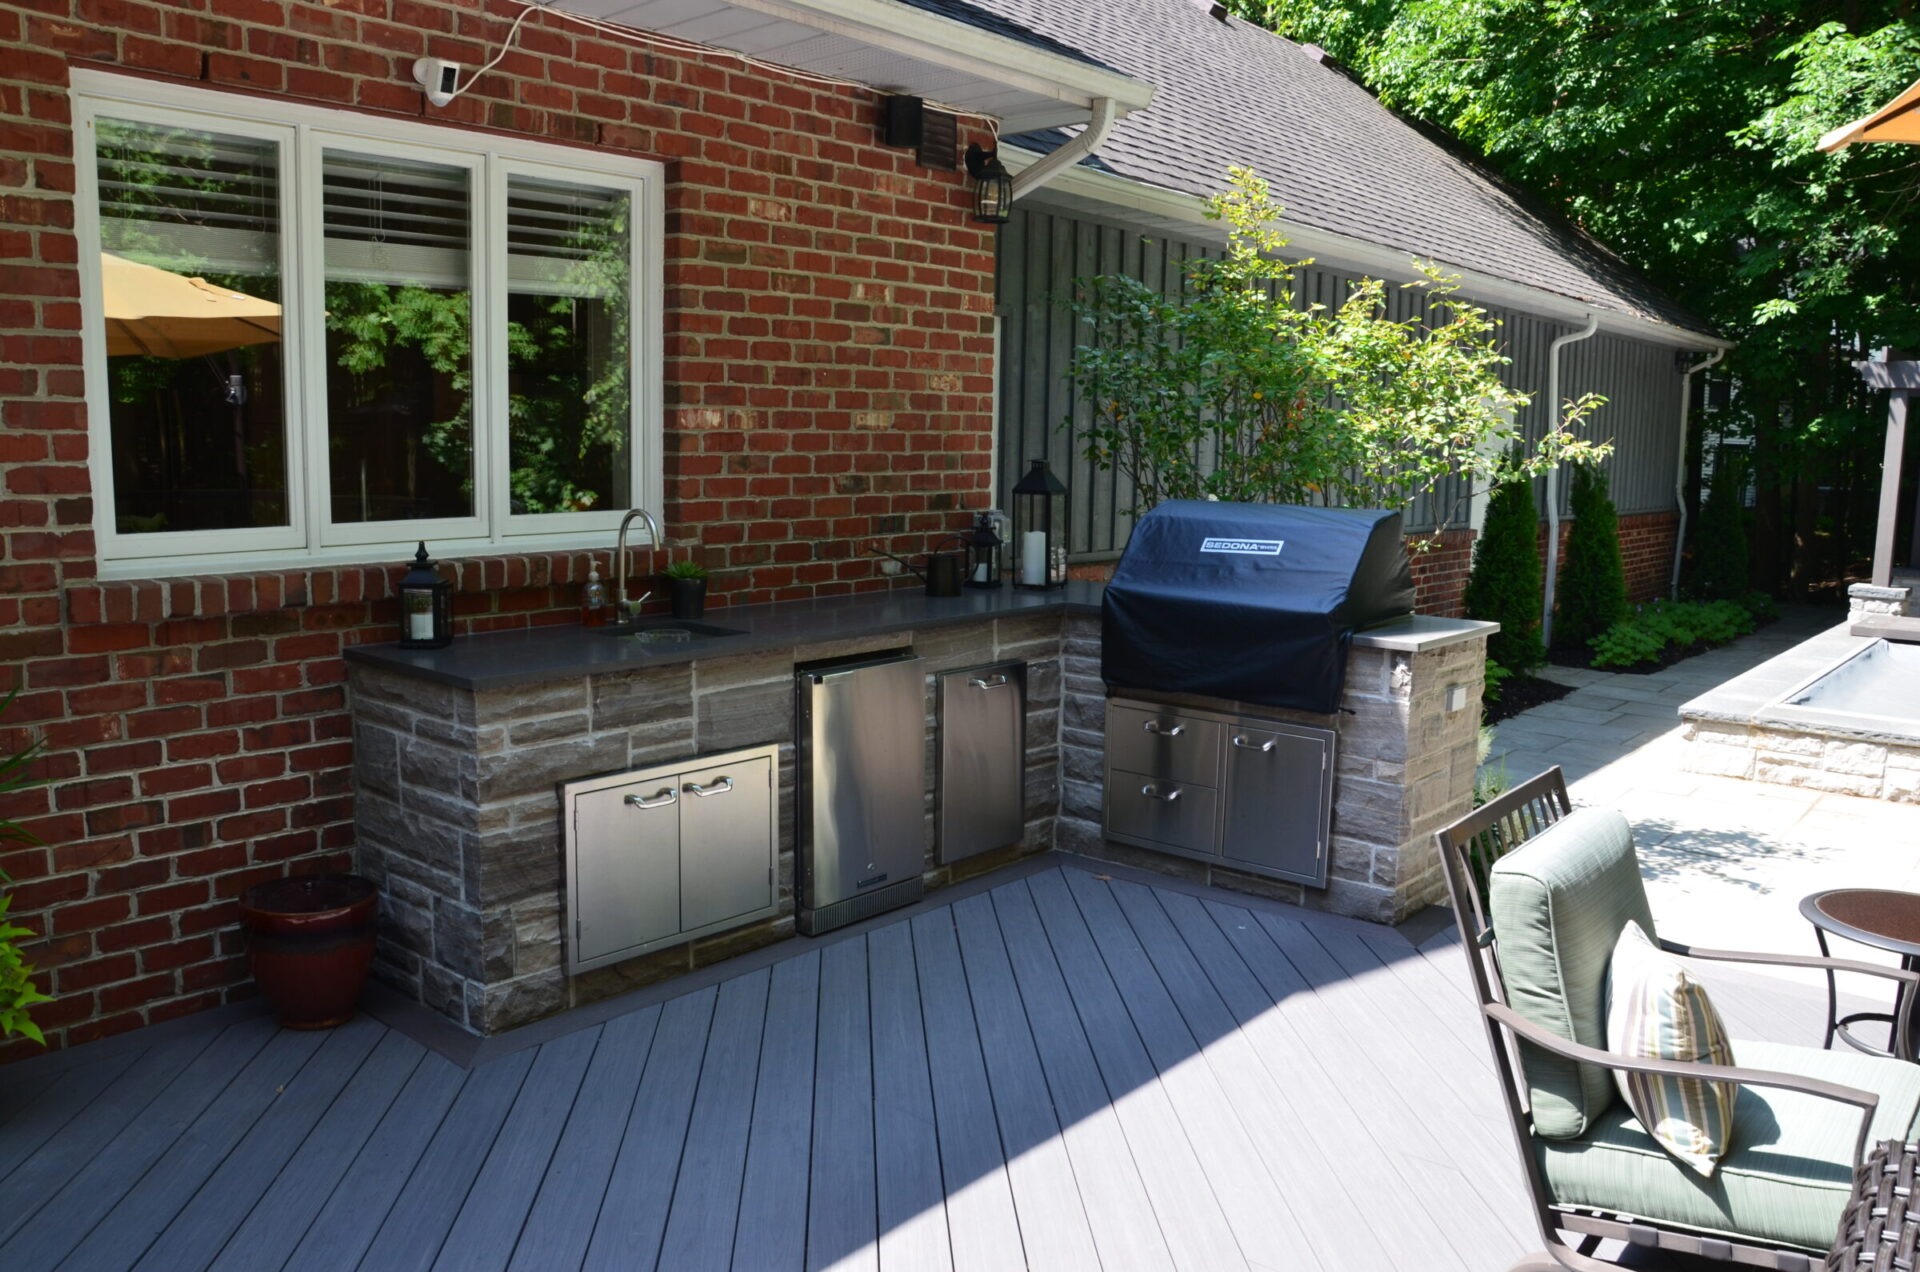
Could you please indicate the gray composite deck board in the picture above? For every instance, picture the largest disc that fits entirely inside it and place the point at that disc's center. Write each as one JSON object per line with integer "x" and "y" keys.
{"x": 706, "y": 1196}
{"x": 267, "y": 1235}
{"x": 1118, "y": 1202}
{"x": 487, "y": 1227}
{"x": 911, "y": 1195}
{"x": 981, "y": 1220}
{"x": 1056, "y": 1069}
{"x": 1259, "y": 1210}
{"x": 1046, "y": 1196}
{"x": 424, "y": 1212}
{"x": 58, "y": 1224}
{"x": 842, "y": 1208}
{"x": 633, "y": 1215}
{"x": 1197, "y": 1227}
{"x": 200, "y": 1228}
{"x": 772, "y": 1231}
{"x": 341, "y": 1232}
{"x": 561, "y": 1221}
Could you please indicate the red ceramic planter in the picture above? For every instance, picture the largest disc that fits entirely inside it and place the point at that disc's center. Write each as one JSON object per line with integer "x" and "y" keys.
{"x": 310, "y": 941}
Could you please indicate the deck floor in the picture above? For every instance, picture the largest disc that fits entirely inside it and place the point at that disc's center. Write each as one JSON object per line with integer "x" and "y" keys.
{"x": 1064, "y": 1069}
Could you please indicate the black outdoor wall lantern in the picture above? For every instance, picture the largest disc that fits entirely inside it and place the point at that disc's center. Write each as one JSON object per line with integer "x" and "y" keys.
{"x": 426, "y": 606}
{"x": 983, "y": 553}
{"x": 993, "y": 187}
{"x": 1040, "y": 528}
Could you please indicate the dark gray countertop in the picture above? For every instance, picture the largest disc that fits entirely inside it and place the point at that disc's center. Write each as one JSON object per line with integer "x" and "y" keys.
{"x": 500, "y": 660}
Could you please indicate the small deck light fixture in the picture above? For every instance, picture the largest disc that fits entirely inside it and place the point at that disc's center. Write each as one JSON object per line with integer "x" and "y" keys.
{"x": 993, "y": 187}
{"x": 426, "y": 606}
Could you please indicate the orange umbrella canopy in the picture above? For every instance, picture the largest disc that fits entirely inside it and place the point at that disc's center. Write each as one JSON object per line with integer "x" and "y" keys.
{"x": 1898, "y": 120}
{"x": 156, "y": 312}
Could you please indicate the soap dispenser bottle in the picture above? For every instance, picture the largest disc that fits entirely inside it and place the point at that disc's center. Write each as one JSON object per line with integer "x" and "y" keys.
{"x": 593, "y": 598}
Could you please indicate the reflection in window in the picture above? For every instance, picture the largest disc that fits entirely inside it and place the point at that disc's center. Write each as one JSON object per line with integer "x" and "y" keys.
{"x": 568, "y": 354}
{"x": 399, "y": 338}
{"x": 190, "y": 285}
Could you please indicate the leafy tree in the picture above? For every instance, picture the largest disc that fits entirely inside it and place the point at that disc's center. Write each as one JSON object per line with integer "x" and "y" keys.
{"x": 1504, "y": 586}
{"x": 1593, "y": 582}
{"x": 1720, "y": 566}
{"x": 1683, "y": 136}
{"x": 1228, "y": 390}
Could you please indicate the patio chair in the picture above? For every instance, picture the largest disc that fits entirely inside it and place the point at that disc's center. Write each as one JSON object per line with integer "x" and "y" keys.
{"x": 1560, "y": 886}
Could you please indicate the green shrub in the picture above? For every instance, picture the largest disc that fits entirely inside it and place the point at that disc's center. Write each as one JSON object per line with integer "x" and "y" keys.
{"x": 1720, "y": 545}
{"x": 17, "y": 990}
{"x": 1504, "y": 586}
{"x": 1496, "y": 675}
{"x": 1593, "y": 583}
{"x": 1646, "y": 635}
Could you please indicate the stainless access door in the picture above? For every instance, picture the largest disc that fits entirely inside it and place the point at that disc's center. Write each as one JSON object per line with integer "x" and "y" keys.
{"x": 980, "y": 762}
{"x": 1279, "y": 799}
{"x": 726, "y": 841}
{"x": 862, "y": 778}
{"x": 624, "y": 873}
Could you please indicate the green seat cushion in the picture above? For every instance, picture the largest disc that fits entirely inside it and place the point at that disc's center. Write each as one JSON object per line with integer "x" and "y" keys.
{"x": 1558, "y": 904}
{"x": 1786, "y": 1176}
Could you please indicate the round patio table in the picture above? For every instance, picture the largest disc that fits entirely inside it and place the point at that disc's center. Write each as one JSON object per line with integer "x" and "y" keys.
{"x": 1885, "y": 920}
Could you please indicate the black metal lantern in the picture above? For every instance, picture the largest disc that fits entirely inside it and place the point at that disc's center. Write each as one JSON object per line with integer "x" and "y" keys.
{"x": 993, "y": 187}
{"x": 1040, "y": 529}
{"x": 426, "y": 606}
{"x": 983, "y": 553}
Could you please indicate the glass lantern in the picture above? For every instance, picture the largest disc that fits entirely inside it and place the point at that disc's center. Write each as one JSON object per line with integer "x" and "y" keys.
{"x": 426, "y": 606}
{"x": 983, "y": 553}
{"x": 1040, "y": 529}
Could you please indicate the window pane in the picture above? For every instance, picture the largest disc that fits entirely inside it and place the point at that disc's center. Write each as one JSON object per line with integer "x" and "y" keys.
{"x": 399, "y": 338}
{"x": 190, "y": 285}
{"x": 570, "y": 416}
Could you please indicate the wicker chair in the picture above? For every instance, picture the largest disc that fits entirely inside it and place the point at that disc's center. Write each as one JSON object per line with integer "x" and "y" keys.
{"x": 1610, "y": 1180}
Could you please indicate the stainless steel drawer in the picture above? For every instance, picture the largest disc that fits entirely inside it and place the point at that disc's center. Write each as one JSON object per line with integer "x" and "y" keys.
{"x": 1163, "y": 744}
{"x": 1278, "y": 795}
{"x": 1181, "y": 815}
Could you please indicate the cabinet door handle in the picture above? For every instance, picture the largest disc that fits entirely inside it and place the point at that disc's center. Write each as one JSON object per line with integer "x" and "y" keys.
{"x": 1242, "y": 742}
{"x": 1168, "y": 798}
{"x": 664, "y": 798}
{"x": 720, "y": 787}
{"x": 1153, "y": 726}
{"x": 994, "y": 682}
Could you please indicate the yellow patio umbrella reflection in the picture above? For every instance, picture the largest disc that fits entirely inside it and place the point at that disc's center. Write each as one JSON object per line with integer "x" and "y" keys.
{"x": 162, "y": 314}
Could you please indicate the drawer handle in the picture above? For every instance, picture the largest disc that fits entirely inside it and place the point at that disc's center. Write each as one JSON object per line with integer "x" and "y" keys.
{"x": 668, "y": 796}
{"x": 1241, "y": 742}
{"x": 720, "y": 787}
{"x": 987, "y": 683}
{"x": 1168, "y": 798}
{"x": 1153, "y": 726}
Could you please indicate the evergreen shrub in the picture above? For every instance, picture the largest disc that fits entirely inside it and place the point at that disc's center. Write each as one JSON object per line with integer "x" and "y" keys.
{"x": 1504, "y": 585}
{"x": 1593, "y": 584}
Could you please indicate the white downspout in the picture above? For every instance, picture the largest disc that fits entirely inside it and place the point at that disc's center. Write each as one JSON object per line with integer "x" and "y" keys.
{"x": 1553, "y": 473}
{"x": 1105, "y": 112}
{"x": 1680, "y": 467}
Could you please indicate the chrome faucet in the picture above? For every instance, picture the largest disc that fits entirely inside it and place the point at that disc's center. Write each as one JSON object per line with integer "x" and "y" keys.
{"x": 620, "y": 602}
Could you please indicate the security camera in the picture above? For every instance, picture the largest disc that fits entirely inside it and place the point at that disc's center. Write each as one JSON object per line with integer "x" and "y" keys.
{"x": 439, "y": 77}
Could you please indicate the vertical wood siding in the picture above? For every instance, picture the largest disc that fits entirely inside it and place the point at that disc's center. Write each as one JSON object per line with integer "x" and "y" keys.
{"x": 1043, "y": 253}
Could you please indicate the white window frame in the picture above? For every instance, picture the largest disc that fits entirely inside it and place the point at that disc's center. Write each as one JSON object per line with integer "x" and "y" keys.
{"x": 301, "y": 132}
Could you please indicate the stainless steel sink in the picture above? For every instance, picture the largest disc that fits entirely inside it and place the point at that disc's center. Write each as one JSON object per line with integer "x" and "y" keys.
{"x": 670, "y": 631}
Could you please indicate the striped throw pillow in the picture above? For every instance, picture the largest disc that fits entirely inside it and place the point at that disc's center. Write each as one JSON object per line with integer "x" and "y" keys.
{"x": 1657, "y": 1011}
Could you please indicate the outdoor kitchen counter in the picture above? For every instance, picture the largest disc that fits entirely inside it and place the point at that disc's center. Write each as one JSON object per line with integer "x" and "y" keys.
{"x": 501, "y": 660}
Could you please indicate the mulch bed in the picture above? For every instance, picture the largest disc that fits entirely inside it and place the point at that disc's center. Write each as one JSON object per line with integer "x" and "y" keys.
{"x": 1521, "y": 693}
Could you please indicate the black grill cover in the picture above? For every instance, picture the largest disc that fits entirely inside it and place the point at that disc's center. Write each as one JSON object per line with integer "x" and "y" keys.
{"x": 1251, "y": 602}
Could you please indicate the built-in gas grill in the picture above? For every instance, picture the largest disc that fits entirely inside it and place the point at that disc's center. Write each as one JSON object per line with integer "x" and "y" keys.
{"x": 1250, "y": 602}
{"x": 1238, "y": 604}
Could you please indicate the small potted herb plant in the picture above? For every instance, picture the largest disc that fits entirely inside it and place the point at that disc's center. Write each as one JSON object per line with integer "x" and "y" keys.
{"x": 687, "y": 583}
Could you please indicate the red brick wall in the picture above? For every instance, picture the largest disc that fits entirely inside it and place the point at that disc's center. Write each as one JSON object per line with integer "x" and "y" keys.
{"x": 828, "y": 381}
{"x": 1646, "y": 547}
{"x": 1440, "y": 571}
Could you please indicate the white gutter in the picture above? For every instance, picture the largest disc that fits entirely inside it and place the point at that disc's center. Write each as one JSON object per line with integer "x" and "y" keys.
{"x": 1105, "y": 112}
{"x": 1096, "y": 193}
{"x": 1680, "y": 466}
{"x": 1553, "y": 474}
